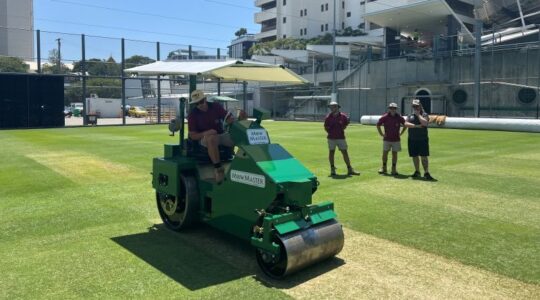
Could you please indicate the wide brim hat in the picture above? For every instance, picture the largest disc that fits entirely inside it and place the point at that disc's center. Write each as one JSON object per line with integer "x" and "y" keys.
{"x": 334, "y": 103}
{"x": 392, "y": 105}
{"x": 197, "y": 96}
{"x": 416, "y": 102}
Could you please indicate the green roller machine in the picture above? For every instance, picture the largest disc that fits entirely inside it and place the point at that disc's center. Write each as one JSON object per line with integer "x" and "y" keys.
{"x": 265, "y": 199}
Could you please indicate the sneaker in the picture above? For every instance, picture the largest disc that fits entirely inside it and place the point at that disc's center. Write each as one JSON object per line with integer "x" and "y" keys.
{"x": 351, "y": 171}
{"x": 382, "y": 171}
{"x": 394, "y": 173}
{"x": 220, "y": 174}
{"x": 427, "y": 176}
{"x": 332, "y": 171}
{"x": 416, "y": 174}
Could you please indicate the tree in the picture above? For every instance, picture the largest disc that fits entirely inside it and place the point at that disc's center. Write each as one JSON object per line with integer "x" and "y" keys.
{"x": 242, "y": 31}
{"x": 13, "y": 64}
{"x": 55, "y": 65}
{"x": 137, "y": 60}
{"x": 99, "y": 67}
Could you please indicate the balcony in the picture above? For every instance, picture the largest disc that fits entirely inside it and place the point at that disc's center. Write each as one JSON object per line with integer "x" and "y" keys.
{"x": 265, "y": 15}
{"x": 266, "y": 34}
{"x": 259, "y": 3}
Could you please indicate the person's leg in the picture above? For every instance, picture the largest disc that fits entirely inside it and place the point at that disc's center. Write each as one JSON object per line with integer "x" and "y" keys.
{"x": 331, "y": 154}
{"x": 394, "y": 162}
{"x": 350, "y": 170}
{"x": 425, "y": 164}
{"x": 384, "y": 162}
{"x": 211, "y": 142}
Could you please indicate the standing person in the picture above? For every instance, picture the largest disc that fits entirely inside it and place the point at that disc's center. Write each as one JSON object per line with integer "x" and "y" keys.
{"x": 418, "y": 141}
{"x": 391, "y": 121}
{"x": 205, "y": 124}
{"x": 335, "y": 124}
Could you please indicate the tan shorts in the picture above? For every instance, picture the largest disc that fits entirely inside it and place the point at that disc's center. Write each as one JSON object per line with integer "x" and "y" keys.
{"x": 224, "y": 139}
{"x": 394, "y": 146}
{"x": 341, "y": 144}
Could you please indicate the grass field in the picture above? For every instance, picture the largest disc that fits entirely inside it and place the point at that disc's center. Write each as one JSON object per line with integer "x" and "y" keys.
{"x": 78, "y": 220}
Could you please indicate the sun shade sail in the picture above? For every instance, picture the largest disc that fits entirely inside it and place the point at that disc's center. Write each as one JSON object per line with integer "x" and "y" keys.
{"x": 231, "y": 70}
{"x": 222, "y": 99}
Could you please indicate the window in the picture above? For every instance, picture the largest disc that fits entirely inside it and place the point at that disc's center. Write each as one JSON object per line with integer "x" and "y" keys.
{"x": 326, "y": 6}
{"x": 301, "y": 31}
{"x": 362, "y": 2}
{"x": 343, "y": 4}
{"x": 284, "y": 2}
{"x": 322, "y": 27}
{"x": 348, "y": 14}
{"x": 305, "y": 31}
{"x": 305, "y": 11}
{"x": 284, "y": 36}
{"x": 301, "y": 13}
{"x": 326, "y": 26}
{"x": 284, "y": 20}
{"x": 322, "y": 7}
{"x": 343, "y": 25}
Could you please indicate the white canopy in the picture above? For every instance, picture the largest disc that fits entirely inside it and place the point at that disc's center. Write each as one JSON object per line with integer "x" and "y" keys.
{"x": 233, "y": 70}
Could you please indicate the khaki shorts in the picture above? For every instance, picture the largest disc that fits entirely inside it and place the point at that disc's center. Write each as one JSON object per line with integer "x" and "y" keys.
{"x": 394, "y": 146}
{"x": 224, "y": 139}
{"x": 341, "y": 144}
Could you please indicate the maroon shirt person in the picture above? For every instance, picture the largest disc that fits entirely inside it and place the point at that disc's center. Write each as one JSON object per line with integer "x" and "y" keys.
{"x": 335, "y": 124}
{"x": 205, "y": 124}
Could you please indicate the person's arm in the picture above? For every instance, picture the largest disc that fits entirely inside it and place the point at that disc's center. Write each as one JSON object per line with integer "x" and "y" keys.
{"x": 379, "y": 130}
{"x": 326, "y": 124}
{"x": 347, "y": 121}
{"x": 402, "y": 121}
{"x": 421, "y": 117}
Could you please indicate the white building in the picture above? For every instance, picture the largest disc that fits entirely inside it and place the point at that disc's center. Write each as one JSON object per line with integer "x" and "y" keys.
{"x": 17, "y": 28}
{"x": 306, "y": 18}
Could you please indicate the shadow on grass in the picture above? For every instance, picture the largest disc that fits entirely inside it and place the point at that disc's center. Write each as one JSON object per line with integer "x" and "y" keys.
{"x": 203, "y": 257}
{"x": 339, "y": 176}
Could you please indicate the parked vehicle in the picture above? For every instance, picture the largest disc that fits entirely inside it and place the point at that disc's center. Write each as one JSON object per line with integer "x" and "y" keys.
{"x": 137, "y": 112}
{"x": 67, "y": 112}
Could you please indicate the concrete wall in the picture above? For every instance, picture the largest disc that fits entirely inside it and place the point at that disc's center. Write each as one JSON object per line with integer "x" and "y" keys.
{"x": 503, "y": 75}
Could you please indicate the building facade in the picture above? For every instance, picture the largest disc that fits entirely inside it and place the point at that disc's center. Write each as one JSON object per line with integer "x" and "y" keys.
{"x": 307, "y": 18}
{"x": 17, "y": 29}
{"x": 239, "y": 47}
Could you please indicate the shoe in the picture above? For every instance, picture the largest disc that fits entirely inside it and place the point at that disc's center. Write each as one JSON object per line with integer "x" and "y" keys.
{"x": 220, "y": 174}
{"x": 427, "y": 176}
{"x": 351, "y": 171}
{"x": 416, "y": 174}
{"x": 332, "y": 171}
{"x": 394, "y": 173}
{"x": 382, "y": 171}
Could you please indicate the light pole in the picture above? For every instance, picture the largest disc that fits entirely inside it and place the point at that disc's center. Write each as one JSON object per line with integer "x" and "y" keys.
{"x": 59, "y": 63}
{"x": 334, "y": 94}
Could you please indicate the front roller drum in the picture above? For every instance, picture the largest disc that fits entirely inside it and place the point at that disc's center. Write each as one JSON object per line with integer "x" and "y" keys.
{"x": 302, "y": 248}
{"x": 179, "y": 212}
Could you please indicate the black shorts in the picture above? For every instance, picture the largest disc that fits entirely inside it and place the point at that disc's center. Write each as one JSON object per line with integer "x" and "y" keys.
{"x": 418, "y": 148}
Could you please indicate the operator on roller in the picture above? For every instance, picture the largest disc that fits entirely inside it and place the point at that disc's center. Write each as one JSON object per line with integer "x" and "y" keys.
{"x": 205, "y": 124}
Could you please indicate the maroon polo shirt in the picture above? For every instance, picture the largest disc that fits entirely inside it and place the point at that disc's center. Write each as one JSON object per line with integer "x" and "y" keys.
{"x": 391, "y": 126}
{"x": 200, "y": 121}
{"x": 335, "y": 125}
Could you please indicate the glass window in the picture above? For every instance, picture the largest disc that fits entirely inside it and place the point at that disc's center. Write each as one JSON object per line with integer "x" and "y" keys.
{"x": 348, "y": 14}
{"x": 284, "y": 2}
{"x": 305, "y": 11}
{"x": 322, "y": 27}
{"x": 322, "y": 7}
{"x": 284, "y": 20}
{"x": 326, "y": 6}
{"x": 301, "y": 13}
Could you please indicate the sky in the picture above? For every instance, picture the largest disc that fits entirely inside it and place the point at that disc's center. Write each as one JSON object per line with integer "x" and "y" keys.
{"x": 204, "y": 24}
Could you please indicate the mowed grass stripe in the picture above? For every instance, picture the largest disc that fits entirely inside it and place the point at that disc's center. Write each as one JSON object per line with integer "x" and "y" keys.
{"x": 65, "y": 215}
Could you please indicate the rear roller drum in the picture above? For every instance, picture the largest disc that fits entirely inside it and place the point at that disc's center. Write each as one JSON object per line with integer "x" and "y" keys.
{"x": 302, "y": 248}
{"x": 178, "y": 212}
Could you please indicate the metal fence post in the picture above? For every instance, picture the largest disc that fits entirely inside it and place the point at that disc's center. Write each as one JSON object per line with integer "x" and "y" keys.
{"x": 38, "y": 44}
{"x": 83, "y": 73}
{"x": 158, "y": 86}
{"x": 477, "y": 58}
{"x": 123, "y": 50}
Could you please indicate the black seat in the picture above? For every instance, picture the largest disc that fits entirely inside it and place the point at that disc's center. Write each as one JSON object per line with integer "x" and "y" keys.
{"x": 200, "y": 153}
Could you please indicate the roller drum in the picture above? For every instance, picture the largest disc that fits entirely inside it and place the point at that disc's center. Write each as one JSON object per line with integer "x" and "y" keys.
{"x": 303, "y": 248}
